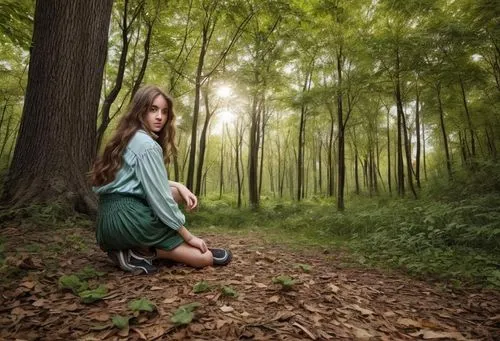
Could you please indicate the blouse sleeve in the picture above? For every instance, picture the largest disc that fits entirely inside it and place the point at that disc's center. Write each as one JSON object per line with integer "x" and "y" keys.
{"x": 152, "y": 174}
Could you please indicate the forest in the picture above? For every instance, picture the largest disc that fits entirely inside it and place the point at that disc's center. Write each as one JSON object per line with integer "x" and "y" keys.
{"x": 366, "y": 132}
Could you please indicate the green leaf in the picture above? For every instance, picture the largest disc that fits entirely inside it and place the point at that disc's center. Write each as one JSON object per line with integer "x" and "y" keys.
{"x": 142, "y": 304}
{"x": 120, "y": 322}
{"x": 90, "y": 296}
{"x": 184, "y": 314}
{"x": 200, "y": 287}
{"x": 286, "y": 281}
{"x": 88, "y": 272}
{"x": 73, "y": 283}
{"x": 228, "y": 291}
{"x": 304, "y": 267}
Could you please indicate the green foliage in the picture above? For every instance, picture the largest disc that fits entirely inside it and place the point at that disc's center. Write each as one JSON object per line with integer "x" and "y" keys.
{"x": 89, "y": 272}
{"x": 73, "y": 283}
{"x": 93, "y": 295}
{"x": 120, "y": 322}
{"x": 304, "y": 267}
{"x": 142, "y": 304}
{"x": 286, "y": 282}
{"x": 229, "y": 291}
{"x": 201, "y": 286}
{"x": 52, "y": 215}
{"x": 184, "y": 314}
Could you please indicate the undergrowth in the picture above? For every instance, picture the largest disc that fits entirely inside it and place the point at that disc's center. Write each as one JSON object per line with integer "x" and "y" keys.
{"x": 452, "y": 232}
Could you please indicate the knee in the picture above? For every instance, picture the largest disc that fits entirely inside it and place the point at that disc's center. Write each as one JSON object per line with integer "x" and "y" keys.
{"x": 204, "y": 260}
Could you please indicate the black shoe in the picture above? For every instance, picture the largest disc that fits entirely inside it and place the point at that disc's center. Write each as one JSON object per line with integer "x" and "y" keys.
{"x": 221, "y": 256}
{"x": 127, "y": 263}
{"x": 138, "y": 256}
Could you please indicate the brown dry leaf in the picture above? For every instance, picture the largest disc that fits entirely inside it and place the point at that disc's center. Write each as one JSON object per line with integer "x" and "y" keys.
{"x": 141, "y": 335}
{"x": 333, "y": 288}
{"x": 40, "y": 302}
{"x": 100, "y": 316}
{"x": 155, "y": 288}
{"x": 428, "y": 334}
{"x": 283, "y": 315}
{"x": 408, "y": 322}
{"x": 71, "y": 307}
{"x": 389, "y": 314}
{"x": 260, "y": 285}
{"x": 274, "y": 299}
{"x": 361, "y": 334}
{"x": 221, "y": 323}
{"x": 28, "y": 284}
{"x": 170, "y": 300}
{"x": 226, "y": 309}
{"x": 363, "y": 311}
{"x": 245, "y": 314}
{"x": 154, "y": 331}
{"x": 304, "y": 329}
{"x": 313, "y": 309}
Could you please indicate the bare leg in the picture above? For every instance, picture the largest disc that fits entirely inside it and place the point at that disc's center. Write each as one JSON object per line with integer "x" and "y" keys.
{"x": 188, "y": 255}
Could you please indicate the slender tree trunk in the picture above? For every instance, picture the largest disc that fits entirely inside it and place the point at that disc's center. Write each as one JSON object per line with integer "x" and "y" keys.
{"x": 320, "y": 166}
{"x": 399, "y": 106}
{"x": 203, "y": 143}
{"x": 341, "y": 131}
{"x": 443, "y": 132}
{"x": 253, "y": 151}
{"x": 469, "y": 120}
{"x": 417, "y": 133}
{"x": 221, "y": 171}
{"x": 330, "y": 155}
{"x": 389, "y": 177}
{"x": 126, "y": 26}
{"x": 64, "y": 84}
{"x": 409, "y": 169}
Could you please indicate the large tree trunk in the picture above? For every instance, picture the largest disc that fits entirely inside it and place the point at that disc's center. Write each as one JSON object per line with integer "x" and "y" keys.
{"x": 57, "y": 137}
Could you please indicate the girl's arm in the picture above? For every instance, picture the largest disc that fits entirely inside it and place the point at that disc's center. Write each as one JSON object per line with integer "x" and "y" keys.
{"x": 189, "y": 198}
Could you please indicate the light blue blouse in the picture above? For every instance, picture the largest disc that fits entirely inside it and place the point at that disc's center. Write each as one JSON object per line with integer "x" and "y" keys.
{"x": 143, "y": 173}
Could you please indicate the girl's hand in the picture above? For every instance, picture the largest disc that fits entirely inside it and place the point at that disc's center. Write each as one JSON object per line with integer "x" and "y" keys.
{"x": 198, "y": 243}
{"x": 189, "y": 198}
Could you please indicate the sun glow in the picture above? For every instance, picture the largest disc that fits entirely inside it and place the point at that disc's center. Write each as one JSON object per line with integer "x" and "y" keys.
{"x": 222, "y": 118}
{"x": 224, "y": 91}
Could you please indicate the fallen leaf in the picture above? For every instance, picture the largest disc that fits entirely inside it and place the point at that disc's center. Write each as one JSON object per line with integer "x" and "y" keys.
{"x": 156, "y": 288}
{"x": 333, "y": 288}
{"x": 260, "y": 285}
{"x": 430, "y": 335}
{"x": 408, "y": 322}
{"x": 361, "y": 334}
{"x": 101, "y": 316}
{"x": 226, "y": 309}
{"x": 304, "y": 329}
{"x": 274, "y": 299}
{"x": 389, "y": 314}
{"x": 28, "y": 284}
{"x": 363, "y": 311}
{"x": 170, "y": 300}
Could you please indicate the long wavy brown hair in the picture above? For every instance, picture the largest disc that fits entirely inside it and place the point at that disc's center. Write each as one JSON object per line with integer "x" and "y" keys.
{"x": 105, "y": 167}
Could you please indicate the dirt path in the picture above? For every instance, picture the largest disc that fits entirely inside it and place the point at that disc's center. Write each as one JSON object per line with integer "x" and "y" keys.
{"x": 327, "y": 302}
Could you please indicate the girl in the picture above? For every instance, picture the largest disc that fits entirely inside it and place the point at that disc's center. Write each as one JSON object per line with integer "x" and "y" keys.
{"x": 138, "y": 208}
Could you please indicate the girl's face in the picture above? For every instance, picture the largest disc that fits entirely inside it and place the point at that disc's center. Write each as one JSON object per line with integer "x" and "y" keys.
{"x": 156, "y": 117}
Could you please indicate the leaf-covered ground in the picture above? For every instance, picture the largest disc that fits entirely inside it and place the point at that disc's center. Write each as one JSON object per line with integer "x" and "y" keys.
{"x": 319, "y": 298}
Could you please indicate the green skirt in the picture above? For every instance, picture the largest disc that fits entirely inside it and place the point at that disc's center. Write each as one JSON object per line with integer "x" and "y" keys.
{"x": 126, "y": 221}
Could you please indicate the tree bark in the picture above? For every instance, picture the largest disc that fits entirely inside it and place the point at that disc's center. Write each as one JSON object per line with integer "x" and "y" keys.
{"x": 443, "y": 132}
{"x": 57, "y": 137}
